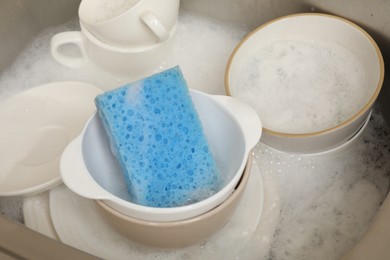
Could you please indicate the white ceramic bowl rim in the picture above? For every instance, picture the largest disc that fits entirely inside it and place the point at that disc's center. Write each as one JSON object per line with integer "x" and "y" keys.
{"x": 367, "y": 105}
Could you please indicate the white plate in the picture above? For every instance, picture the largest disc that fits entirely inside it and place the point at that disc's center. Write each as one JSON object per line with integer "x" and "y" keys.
{"x": 78, "y": 224}
{"x": 36, "y": 126}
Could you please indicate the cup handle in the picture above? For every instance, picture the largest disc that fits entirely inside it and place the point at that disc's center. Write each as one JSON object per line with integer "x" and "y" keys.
{"x": 75, "y": 175}
{"x": 246, "y": 116}
{"x": 72, "y": 37}
{"x": 155, "y": 25}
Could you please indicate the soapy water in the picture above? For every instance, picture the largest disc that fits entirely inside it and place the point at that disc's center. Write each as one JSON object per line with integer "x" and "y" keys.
{"x": 326, "y": 202}
{"x": 309, "y": 85}
{"x": 218, "y": 40}
{"x": 12, "y": 208}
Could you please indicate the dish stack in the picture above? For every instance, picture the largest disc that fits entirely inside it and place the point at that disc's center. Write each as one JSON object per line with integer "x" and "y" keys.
{"x": 89, "y": 167}
{"x": 123, "y": 37}
{"x": 312, "y": 78}
{"x": 132, "y": 37}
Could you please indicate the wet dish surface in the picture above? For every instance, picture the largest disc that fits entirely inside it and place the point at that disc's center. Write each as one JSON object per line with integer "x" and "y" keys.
{"x": 77, "y": 222}
{"x": 36, "y": 126}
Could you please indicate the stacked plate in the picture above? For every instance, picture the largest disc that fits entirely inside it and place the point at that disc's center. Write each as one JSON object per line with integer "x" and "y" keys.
{"x": 76, "y": 221}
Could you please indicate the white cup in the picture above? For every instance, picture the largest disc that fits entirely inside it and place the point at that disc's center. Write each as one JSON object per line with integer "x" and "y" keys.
{"x": 129, "y": 23}
{"x": 117, "y": 60}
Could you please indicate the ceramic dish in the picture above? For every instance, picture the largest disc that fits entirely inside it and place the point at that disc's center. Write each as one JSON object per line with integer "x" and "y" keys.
{"x": 136, "y": 62}
{"x": 344, "y": 146}
{"x": 36, "y": 126}
{"x": 256, "y": 242}
{"x": 248, "y": 233}
{"x": 230, "y": 127}
{"x": 348, "y": 143}
{"x": 177, "y": 234}
{"x": 79, "y": 224}
{"x": 305, "y": 49}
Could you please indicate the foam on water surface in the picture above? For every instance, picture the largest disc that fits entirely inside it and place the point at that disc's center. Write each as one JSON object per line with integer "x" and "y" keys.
{"x": 218, "y": 41}
{"x": 321, "y": 198}
{"x": 302, "y": 86}
{"x": 328, "y": 201}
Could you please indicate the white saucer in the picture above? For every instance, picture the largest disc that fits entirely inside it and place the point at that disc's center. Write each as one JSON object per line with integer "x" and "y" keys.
{"x": 78, "y": 224}
{"x": 36, "y": 126}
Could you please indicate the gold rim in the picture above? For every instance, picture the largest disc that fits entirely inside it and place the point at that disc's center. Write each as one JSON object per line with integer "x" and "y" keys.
{"x": 363, "y": 110}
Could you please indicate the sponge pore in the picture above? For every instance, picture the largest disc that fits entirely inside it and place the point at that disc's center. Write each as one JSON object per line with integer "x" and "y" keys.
{"x": 158, "y": 139}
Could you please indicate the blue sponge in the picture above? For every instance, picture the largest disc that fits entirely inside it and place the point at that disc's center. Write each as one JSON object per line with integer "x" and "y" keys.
{"x": 157, "y": 137}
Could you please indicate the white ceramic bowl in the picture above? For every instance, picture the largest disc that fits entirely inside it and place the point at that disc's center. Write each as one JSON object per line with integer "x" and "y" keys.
{"x": 231, "y": 127}
{"x": 183, "y": 232}
{"x": 309, "y": 28}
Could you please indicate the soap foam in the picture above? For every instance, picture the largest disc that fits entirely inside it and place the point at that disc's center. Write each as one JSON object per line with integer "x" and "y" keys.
{"x": 218, "y": 41}
{"x": 301, "y": 86}
{"x": 328, "y": 201}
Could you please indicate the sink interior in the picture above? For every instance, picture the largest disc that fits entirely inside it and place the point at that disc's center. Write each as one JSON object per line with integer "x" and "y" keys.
{"x": 26, "y": 29}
